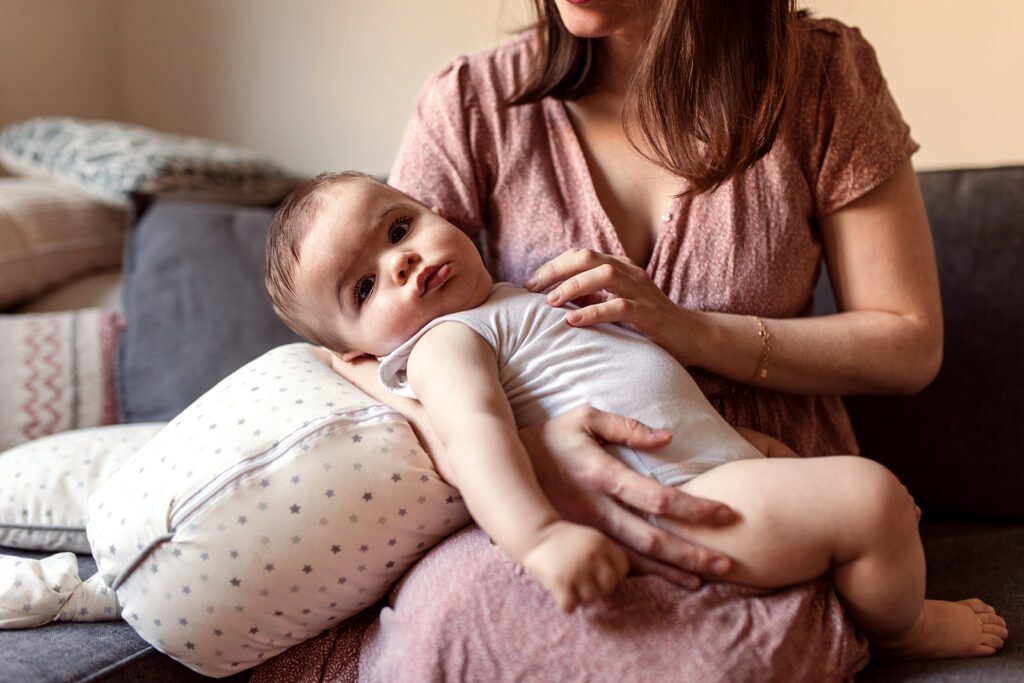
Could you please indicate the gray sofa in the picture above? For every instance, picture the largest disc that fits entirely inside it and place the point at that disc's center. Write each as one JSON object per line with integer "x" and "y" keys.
{"x": 958, "y": 446}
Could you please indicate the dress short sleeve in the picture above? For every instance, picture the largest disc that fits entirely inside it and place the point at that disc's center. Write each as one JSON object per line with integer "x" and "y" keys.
{"x": 861, "y": 136}
{"x": 437, "y": 161}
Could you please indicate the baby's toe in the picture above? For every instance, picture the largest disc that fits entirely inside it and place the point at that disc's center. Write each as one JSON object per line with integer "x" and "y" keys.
{"x": 995, "y": 630}
{"x": 978, "y": 606}
{"x": 993, "y": 641}
{"x": 994, "y": 619}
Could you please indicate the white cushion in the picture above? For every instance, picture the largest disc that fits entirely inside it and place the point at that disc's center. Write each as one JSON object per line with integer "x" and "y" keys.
{"x": 44, "y": 484}
{"x": 278, "y": 504}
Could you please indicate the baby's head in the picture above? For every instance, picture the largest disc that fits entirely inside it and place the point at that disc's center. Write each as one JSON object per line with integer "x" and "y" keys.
{"x": 359, "y": 267}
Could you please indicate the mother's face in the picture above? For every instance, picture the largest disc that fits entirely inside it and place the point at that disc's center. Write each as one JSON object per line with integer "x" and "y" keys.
{"x": 602, "y": 18}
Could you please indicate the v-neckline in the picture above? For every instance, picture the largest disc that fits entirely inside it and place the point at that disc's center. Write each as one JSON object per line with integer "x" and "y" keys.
{"x": 606, "y": 226}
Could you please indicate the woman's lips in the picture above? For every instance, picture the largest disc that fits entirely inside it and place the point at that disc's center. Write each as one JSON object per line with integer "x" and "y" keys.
{"x": 433, "y": 277}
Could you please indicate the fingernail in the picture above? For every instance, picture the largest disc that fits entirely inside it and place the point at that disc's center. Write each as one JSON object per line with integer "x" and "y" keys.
{"x": 552, "y": 296}
{"x": 574, "y": 317}
{"x": 723, "y": 516}
{"x": 720, "y": 566}
{"x": 531, "y": 283}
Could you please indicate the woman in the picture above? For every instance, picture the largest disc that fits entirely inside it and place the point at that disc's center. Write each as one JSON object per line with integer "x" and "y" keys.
{"x": 680, "y": 167}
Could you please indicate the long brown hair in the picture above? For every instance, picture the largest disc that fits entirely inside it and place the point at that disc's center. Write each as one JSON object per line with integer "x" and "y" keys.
{"x": 709, "y": 89}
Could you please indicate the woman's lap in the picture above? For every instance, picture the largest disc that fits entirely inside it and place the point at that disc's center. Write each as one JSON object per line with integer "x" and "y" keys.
{"x": 466, "y": 612}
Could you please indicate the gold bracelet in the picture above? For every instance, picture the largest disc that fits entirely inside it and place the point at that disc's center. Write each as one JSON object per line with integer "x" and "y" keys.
{"x": 766, "y": 347}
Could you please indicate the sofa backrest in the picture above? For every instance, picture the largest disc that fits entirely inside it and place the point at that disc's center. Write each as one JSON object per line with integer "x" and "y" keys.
{"x": 959, "y": 444}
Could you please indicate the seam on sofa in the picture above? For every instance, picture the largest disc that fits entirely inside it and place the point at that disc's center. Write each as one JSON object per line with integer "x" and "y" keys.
{"x": 111, "y": 668}
{"x": 38, "y": 527}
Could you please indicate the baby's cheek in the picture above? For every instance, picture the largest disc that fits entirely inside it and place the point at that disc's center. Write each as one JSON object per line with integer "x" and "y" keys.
{"x": 397, "y": 325}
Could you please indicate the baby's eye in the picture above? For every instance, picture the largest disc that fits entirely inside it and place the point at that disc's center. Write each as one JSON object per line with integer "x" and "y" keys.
{"x": 363, "y": 288}
{"x": 398, "y": 230}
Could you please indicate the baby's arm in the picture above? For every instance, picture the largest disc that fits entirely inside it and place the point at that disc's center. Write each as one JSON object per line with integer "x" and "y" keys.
{"x": 453, "y": 372}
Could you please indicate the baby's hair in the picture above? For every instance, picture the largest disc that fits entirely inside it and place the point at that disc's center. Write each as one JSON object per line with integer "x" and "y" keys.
{"x": 289, "y": 226}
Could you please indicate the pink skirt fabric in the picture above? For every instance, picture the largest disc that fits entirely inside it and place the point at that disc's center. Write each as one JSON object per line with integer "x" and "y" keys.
{"x": 449, "y": 620}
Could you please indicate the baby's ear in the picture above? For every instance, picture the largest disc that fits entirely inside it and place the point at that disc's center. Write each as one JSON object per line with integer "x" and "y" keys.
{"x": 439, "y": 211}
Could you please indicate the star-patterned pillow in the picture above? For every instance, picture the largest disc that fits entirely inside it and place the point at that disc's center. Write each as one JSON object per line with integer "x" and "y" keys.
{"x": 277, "y": 505}
{"x": 44, "y": 484}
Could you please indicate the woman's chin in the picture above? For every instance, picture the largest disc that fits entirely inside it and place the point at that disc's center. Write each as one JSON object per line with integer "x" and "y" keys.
{"x": 585, "y": 22}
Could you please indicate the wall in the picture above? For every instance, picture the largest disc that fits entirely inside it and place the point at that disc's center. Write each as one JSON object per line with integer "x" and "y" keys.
{"x": 58, "y": 57}
{"x": 322, "y": 84}
{"x": 954, "y": 67}
{"x": 330, "y": 83}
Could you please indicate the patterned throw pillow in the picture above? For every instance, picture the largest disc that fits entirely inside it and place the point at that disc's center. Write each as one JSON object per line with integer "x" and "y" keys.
{"x": 109, "y": 160}
{"x": 57, "y": 372}
{"x": 277, "y": 505}
{"x": 44, "y": 484}
{"x": 50, "y": 234}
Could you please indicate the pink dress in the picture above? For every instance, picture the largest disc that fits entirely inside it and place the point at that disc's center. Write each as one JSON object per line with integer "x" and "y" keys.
{"x": 752, "y": 247}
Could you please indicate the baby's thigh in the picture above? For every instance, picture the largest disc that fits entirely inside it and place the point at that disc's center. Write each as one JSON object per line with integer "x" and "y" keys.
{"x": 796, "y": 514}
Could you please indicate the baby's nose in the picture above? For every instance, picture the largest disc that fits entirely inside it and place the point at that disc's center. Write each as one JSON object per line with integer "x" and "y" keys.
{"x": 402, "y": 266}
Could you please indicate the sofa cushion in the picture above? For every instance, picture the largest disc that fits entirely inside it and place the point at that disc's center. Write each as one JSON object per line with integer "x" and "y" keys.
{"x": 57, "y": 372}
{"x": 50, "y": 234}
{"x": 195, "y": 305}
{"x": 957, "y": 445}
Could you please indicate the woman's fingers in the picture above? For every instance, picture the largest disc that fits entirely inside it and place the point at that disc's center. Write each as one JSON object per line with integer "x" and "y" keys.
{"x": 563, "y": 266}
{"x": 650, "y": 496}
{"x": 588, "y": 282}
{"x": 614, "y": 310}
{"x": 640, "y": 536}
{"x": 645, "y": 565}
{"x": 612, "y": 428}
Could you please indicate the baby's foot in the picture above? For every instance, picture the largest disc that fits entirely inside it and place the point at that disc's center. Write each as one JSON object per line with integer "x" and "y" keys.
{"x": 967, "y": 628}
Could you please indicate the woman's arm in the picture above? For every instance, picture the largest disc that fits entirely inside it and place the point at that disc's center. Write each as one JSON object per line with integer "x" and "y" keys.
{"x": 887, "y": 337}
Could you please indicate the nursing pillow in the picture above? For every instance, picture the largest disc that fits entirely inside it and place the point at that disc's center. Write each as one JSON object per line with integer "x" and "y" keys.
{"x": 277, "y": 505}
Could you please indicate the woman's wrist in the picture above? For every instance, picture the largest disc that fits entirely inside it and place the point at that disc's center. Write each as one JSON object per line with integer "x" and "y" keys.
{"x": 689, "y": 336}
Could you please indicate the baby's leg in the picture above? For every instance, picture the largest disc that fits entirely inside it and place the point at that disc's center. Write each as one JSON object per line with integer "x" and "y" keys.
{"x": 847, "y": 515}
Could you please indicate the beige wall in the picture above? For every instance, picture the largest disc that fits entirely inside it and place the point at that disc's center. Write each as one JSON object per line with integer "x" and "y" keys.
{"x": 58, "y": 57}
{"x": 956, "y": 69}
{"x": 330, "y": 83}
{"x": 321, "y": 84}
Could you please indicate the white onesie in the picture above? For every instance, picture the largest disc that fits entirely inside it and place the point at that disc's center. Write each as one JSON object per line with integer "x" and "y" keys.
{"x": 548, "y": 367}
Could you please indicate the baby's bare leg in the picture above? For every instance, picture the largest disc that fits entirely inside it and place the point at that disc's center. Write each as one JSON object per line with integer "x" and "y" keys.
{"x": 847, "y": 515}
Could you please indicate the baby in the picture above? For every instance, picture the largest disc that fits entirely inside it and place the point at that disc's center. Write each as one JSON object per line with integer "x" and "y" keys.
{"x": 362, "y": 268}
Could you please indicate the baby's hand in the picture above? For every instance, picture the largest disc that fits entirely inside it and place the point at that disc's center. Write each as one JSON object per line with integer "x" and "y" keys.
{"x": 576, "y": 564}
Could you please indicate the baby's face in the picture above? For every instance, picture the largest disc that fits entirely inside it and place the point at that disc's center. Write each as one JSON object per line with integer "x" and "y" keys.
{"x": 376, "y": 266}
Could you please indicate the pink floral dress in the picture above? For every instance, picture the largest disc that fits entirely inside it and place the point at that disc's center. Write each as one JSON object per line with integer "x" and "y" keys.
{"x": 518, "y": 179}
{"x": 518, "y": 175}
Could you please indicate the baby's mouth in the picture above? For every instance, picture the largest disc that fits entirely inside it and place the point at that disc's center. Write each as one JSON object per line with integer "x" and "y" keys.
{"x": 432, "y": 277}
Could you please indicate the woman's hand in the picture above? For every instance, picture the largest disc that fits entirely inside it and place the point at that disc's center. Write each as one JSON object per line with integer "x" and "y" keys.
{"x": 609, "y": 289}
{"x": 589, "y": 486}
